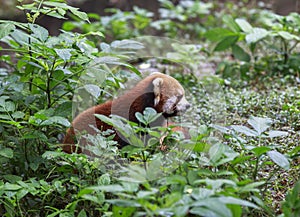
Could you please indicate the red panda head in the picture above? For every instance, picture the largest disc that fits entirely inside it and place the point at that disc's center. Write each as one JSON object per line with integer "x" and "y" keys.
{"x": 169, "y": 95}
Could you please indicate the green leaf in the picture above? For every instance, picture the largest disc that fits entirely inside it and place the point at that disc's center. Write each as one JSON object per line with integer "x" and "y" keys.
{"x": 92, "y": 89}
{"x": 218, "y": 34}
{"x": 99, "y": 199}
{"x": 79, "y": 14}
{"x": 229, "y": 21}
{"x": 233, "y": 200}
{"x": 6, "y": 29}
{"x": 64, "y": 54}
{"x": 104, "y": 179}
{"x": 124, "y": 203}
{"x": 8, "y": 106}
{"x": 260, "y": 150}
{"x": 12, "y": 178}
{"x": 82, "y": 213}
{"x": 240, "y": 54}
{"x": 127, "y": 44}
{"x": 245, "y": 130}
{"x": 18, "y": 114}
{"x": 279, "y": 159}
{"x": 123, "y": 211}
{"x": 252, "y": 187}
{"x": 256, "y": 35}
{"x": 202, "y": 211}
{"x": 288, "y": 36}
{"x": 108, "y": 188}
{"x": 202, "y": 193}
{"x": 100, "y": 34}
{"x": 226, "y": 43}
{"x": 276, "y": 133}
{"x": 216, "y": 152}
{"x": 84, "y": 192}
{"x": 213, "y": 204}
{"x": 146, "y": 194}
{"x": 57, "y": 120}
{"x": 107, "y": 60}
{"x": 39, "y": 32}
{"x": 176, "y": 179}
{"x": 244, "y": 25}
{"x": 12, "y": 187}
{"x": 260, "y": 124}
{"x": 6, "y": 152}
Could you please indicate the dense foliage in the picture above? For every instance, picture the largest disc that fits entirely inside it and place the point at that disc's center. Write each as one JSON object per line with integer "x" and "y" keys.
{"x": 243, "y": 155}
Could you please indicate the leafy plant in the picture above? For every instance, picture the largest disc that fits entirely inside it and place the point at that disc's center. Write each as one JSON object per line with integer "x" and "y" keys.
{"x": 278, "y": 39}
{"x": 291, "y": 205}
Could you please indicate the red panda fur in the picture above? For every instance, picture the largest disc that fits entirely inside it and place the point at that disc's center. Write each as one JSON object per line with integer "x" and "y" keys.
{"x": 135, "y": 100}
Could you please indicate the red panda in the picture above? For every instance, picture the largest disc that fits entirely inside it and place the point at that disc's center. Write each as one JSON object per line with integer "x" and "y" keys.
{"x": 158, "y": 91}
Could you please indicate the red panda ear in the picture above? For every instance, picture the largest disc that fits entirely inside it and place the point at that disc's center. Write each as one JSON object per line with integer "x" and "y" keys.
{"x": 157, "y": 83}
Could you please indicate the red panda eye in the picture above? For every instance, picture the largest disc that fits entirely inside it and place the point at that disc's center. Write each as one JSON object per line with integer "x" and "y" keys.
{"x": 180, "y": 97}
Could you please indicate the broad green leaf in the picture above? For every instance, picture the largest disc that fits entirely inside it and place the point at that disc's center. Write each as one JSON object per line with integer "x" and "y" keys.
{"x": 118, "y": 211}
{"x": 176, "y": 179}
{"x": 244, "y": 25}
{"x": 240, "y": 54}
{"x": 203, "y": 211}
{"x": 229, "y": 21}
{"x": 227, "y": 42}
{"x": 82, "y": 213}
{"x": 107, "y": 188}
{"x": 279, "y": 159}
{"x": 94, "y": 90}
{"x": 104, "y": 179}
{"x": 100, "y": 34}
{"x": 216, "y": 152}
{"x": 252, "y": 187}
{"x": 12, "y": 187}
{"x": 245, "y": 130}
{"x": 256, "y": 35}
{"x": 124, "y": 203}
{"x": 84, "y": 191}
{"x": 214, "y": 204}
{"x": 64, "y": 54}
{"x": 260, "y": 150}
{"x": 79, "y": 14}
{"x": 57, "y": 120}
{"x": 140, "y": 117}
{"x": 34, "y": 166}
{"x": 202, "y": 193}
{"x": 52, "y": 155}
{"x": 56, "y": 4}
{"x": 233, "y": 200}
{"x": 218, "y": 34}
{"x": 99, "y": 199}
{"x": 12, "y": 178}
{"x": 18, "y": 114}
{"x": 6, "y": 29}
{"x": 127, "y": 44}
{"x": 39, "y": 32}
{"x": 6, "y": 152}
{"x": 21, "y": 193}
{"x": 108, "y": 60}
{"x": 288, "y": 36}
{"x": 9, "y": 106}
{"x": 145, "y": 194}
{"x": 260, "y": 124}
{"x": 276, "y": 133}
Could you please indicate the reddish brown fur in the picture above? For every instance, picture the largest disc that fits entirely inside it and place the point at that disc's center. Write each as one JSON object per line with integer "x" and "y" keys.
{"x": 135, "y": 100}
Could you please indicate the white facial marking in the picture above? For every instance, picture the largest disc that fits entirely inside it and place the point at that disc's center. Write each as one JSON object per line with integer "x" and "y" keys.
{"x": 182, "y": 105}
{"x": 169, "y": 105}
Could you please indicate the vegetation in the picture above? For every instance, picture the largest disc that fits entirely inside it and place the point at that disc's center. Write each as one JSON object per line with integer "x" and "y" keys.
{"x": 243, "y": 155}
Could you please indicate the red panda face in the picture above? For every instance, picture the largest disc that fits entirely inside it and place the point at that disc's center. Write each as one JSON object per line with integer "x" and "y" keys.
{"x": 169, "y": 95}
